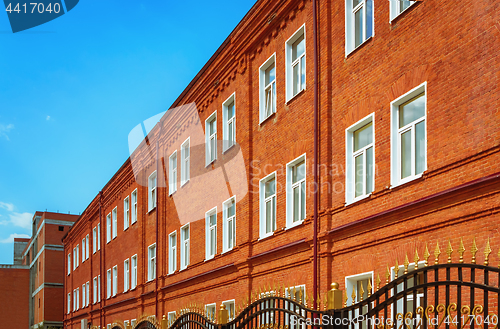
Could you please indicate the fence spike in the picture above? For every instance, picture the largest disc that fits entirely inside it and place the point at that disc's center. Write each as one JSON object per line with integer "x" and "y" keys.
{"x": 473, "y": 251}
{"x": 426, "y": 255}
{"x": 437, "y": 252}
{"x": 361, "y": 293}
{"x": 369, "y": 287}
{"x": 293, "y": 293}
{"x": 353, "y": 295}
{"x": 396, "y": 269}
{"x": 406, "y": 263}
{"x": 378, "y": 281}
{"x": 345, "y": 298}
{"x": 461, "y": 250}
{"x": 449, "y": 251}
{"x": 487, "y": 252}
{"x": 387, "y": 275}
{"x": 416, "y": 258}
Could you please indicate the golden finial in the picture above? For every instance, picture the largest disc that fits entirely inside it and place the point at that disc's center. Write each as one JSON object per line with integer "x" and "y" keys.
{"x": 416, "y": 259}
{"x": 487, "y": 252}
{"x": 353, "y": 296}
{"x": 325, "y": 306}
{"x": 461, "y": 250}
{"x": 449, "y": 251}
{"x": 378, "y": 281}
{"x": 437, "y": 252}
{"x": 259, "y": 296}
{"x": 396, "y": 270}
{"x": 499, "y": 257}
{"x": 345, "y": 298}
{"x": 300, "y": 295}
{"x": 274, "y": 288}
{"x": 251, "y": 297}
{"x": 361, "y": 293}
{"x": 369, "y": 287}
{"x": 407, "y": 263}
{"x": 473, "y": 251}
{"x": 293, "y": 293}
{"x": 426, "y": 255}
{"x": 387, "y": 275}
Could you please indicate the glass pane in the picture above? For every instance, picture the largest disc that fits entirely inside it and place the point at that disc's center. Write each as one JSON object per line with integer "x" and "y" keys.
{"x": 274, "y": 214}
{"x": 303, "y": 200}
{"x": 403, "y": 4}
{"x": 212, "y": 242}
{"x": 420, "y": 147}
{"x": 363, "y": 136}
{"x": 298, "y": 172}
{"x": 270, "y": 74}
{"x": 230, "y": 111}
{"x": 370, "y": 168}
{"x": 269, "y": 215}
{"x": 230, "y": 209}
{"x": 358, "y": 27}
{"x": 411, "y": 110}
{"x": 212, "y": 149}
{"x": 230, "y": 137}
{"x": 213, "y": 219}
{"x": 406, "y": 154}
{"x": 296, "y": 200}
{"x": 298, "y": 48}
{"x": 355, "y": 3}
{"x": 303, "y": 73}
{"x": 230, "y": 233}
{"x": 369, "y": 18}
{"x": 358, "y": 181}
{"x": 212, "y": 127}
{"x": 270, "y": 188}
{"x": 296, "y": 79}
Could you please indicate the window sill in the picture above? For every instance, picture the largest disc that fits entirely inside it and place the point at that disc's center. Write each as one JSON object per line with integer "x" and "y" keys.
{"x": 229, "y": 148}
{"x": 169, "y": 274}
{"x": 126, "y": 228}
{"x": 184, "y": 183}
{"x": 295, "y": 96}
{"x": 406, "y": 180}
{"x": 266, "y": 236}
{"x": 210, "y": 163}
{"x": 170, "y": 194}
{"x": 358, "y": 199}
{"x": 362, "y": 45}
{"x": 133, "y": 223}
{"x": 268, "y": 118}
{"x": 228, "y": 250}
{"x": 298, "y": 223}
{"x": 151, "y": 210}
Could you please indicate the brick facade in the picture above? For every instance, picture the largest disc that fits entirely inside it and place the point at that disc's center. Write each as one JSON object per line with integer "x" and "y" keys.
{"x": 456, "y": 65}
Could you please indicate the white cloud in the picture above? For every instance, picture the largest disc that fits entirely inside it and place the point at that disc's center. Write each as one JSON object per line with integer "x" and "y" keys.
{"x": 4, "y": 129}
{"x": 10, "y": 239}
{"x": 48, "y": 117}
{"x": 7, "y": 206}
{"x": 21, "y": 219}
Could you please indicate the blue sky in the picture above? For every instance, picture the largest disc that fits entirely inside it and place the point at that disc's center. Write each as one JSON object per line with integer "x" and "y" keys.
{"x": 72, "y": 89}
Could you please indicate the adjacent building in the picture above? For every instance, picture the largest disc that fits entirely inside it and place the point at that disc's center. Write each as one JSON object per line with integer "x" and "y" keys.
{"x": 218, "y": 201}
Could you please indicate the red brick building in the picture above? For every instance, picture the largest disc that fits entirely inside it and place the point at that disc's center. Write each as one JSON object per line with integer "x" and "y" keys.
{"x": 217, "y": 202}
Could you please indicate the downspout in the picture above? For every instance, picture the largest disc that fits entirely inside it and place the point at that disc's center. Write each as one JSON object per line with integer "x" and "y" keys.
{"x": 157, "y": 211}
{"x": 100, "y": 259}
{"x": 315, "y": 167}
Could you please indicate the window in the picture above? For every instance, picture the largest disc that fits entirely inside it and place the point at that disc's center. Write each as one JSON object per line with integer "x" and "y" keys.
{"x": 115, "y": 221}
{"x": 152, "y": 191}
{"x": 230, "y": 308}
{"x": 171, "y": 317}
{"x": 267, "y": 88}
{"x": 211, "y": 233}
{"x": 108, "y": 228}
{"x": 126, "y": 213}
{"x": 296, "y": 63}
{"x": 69, "y": 264}
{"x": 115, "y": 279}
{"x": 109, "y": 285}
{"x": 411, "y": 282}
{"x": 126, "y": 275}
{"x": 210, "y": 311}
{"x": 132, "y": 323}
{"x": 185, "y": 162}
{"x": 359, "y": 23}
{"x": 360, "y": 161}
{"x": 77, "y": 298}
{"x": 134, "y": 207}
{"x": 211, "y": 138}
{"x": 229, "y": 122}
{"x": 152, "y": 262}
{"x": 296, "y": 191}
{"x": 88, "y": 293}
{"x": 398, "y": 6}
{"x": 94, "y": 290}
{"x": 69, "y": 303}
{"x": 299, "y": 294}
{"x": 229, "y": 224}
{"x": 408, "y": 138}
{"x": 87, "y": 248}
{"x": 83, "y": 250}
{"x": 98, "y": 288}
{"x": 358, "y": 285}
{"x": 172, "y": 252}
{"x": 84, "y": 295}
{"x": 77, "y": 254}
{"x": 99, "y": 236}
{"x": 134, "y": 272}
{"x": 184, "y": 246}
{"x": 94, "y": 240}
{"x": 172, "y": 173}
{"x": 267, "y": 205}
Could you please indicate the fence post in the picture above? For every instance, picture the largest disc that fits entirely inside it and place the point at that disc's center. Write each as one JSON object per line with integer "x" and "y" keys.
{"x": 164, "y": 323}
{"x": 223, "y": 314}
{"x": 334, "y": 298}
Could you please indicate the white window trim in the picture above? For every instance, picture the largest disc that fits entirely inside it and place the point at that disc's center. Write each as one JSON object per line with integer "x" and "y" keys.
{"x": 172, "y": 254}
{"x": 395, "y": 147}
{"x": 350, "y": 25}
{"x": 114, "y": 220}
{"x": 350, "y": 165}
{"x": 83, "y": 251}
{"x": 262, "y": 93}
{"x": 108, "y": 228}
{"x": 126, "y": 213}
{"x": 207, "y": 233}
{"x": 68, "y": 303}
{"x": 83, "y": 295}
{"x": 183, "y": 251}
{"x": 151, "y": 201}
{"x": 94, "y": 290}
{"x": 151, "y": 270}
{"x": 171, "y": 316}
{"x": 225, "y": 124}
{"x": 288, "y": 60}
{"x": 133, "y": 272}
{"x": 214, "y": 305}
{"x": 394, "y": 9}
{"x": 69, "y": 263}
{"x": 98, "y": 236}
{"x": 87, "y": 246}
{"x": 262, "y": 205}
{"x": 289, "y": 192}
{"x": 88, "y": 294}
{"x": 109, "y": 281}
{"x": 172, "y": 181}
{"x": 99, "y": 288}
{"x": 225, "y": 225}
{"x": 115, "y": 280}
{"x": 208, "y": 138}
{"x": 126, "y": 275}
{"x": 185, "y": 169}
{"x": 94, "y": 240}
{"x": 352, "y": 280}
{"x": 226, "y": 303}
{"x": 133, "y": 210}
{"x": 411, "y": 268}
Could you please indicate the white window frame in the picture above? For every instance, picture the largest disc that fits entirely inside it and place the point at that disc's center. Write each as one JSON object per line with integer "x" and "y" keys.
{"x": 228, "y": 303}
{"x": 171, "y": 316}
{"x": 98, "y": 236}
{"x": 396, "y": 136}
{"x": 290, "y": 65}
{"x": 226, "y": 123}
{"x": 87, "y": 247}
{"x": 172, "y": 253}
{"x": 263, "y": 116}
{"x": 94, "y": 291}
{"x": 83, "y": 251}
{"x": 132, "y": 323}
{"x": 69, "y": 263}
{"x": 115, "y": 280}
{"x": 185, "y": 252}
{"x": 152, "y": 262}
{"x": 94, "y": 240}
{"x": 212, "y": 315}
{"x": 352, "y": 282}
{"x": 350, "y": 159}
{"x": 77, "y": 256}
{"x": 185, "y": 161}
{"x": 208, "y": 230}
{"x": 395, "y": 8}
{"x": 77, "y": 299}
{"x": 114, "y": 217}
{"x": 172, "y": 173}
{"x": 126, "y": 213}
{"x": 209, "y": 139}
{"x": 88, "y": 294}
{"x": 126, "y": 275}
{"x": 225, "y": 225}
{"x": 399, "y": 287}
{"x": 133, "y": 276}
{"x": 83, "y": 295}
{"x": 69, "y": 303}
{"x": 262, "y": 205}
{"x": 152, "y": 183}
{"x": 288, "y": 294}
{"x": 133, "y": 197}
{"x": 109, "y": 283}
{"x": 99, "y": 288}
{"x": 108, "y": 228}
{"x": 289, "y": 191}
{"x": 350, "y": 34}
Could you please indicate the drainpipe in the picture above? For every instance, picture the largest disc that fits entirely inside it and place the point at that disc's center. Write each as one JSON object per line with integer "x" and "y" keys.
{"x": 157, "y": 212}
{"x": 315, "y": 168}
{"x": 101, "y": 266}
